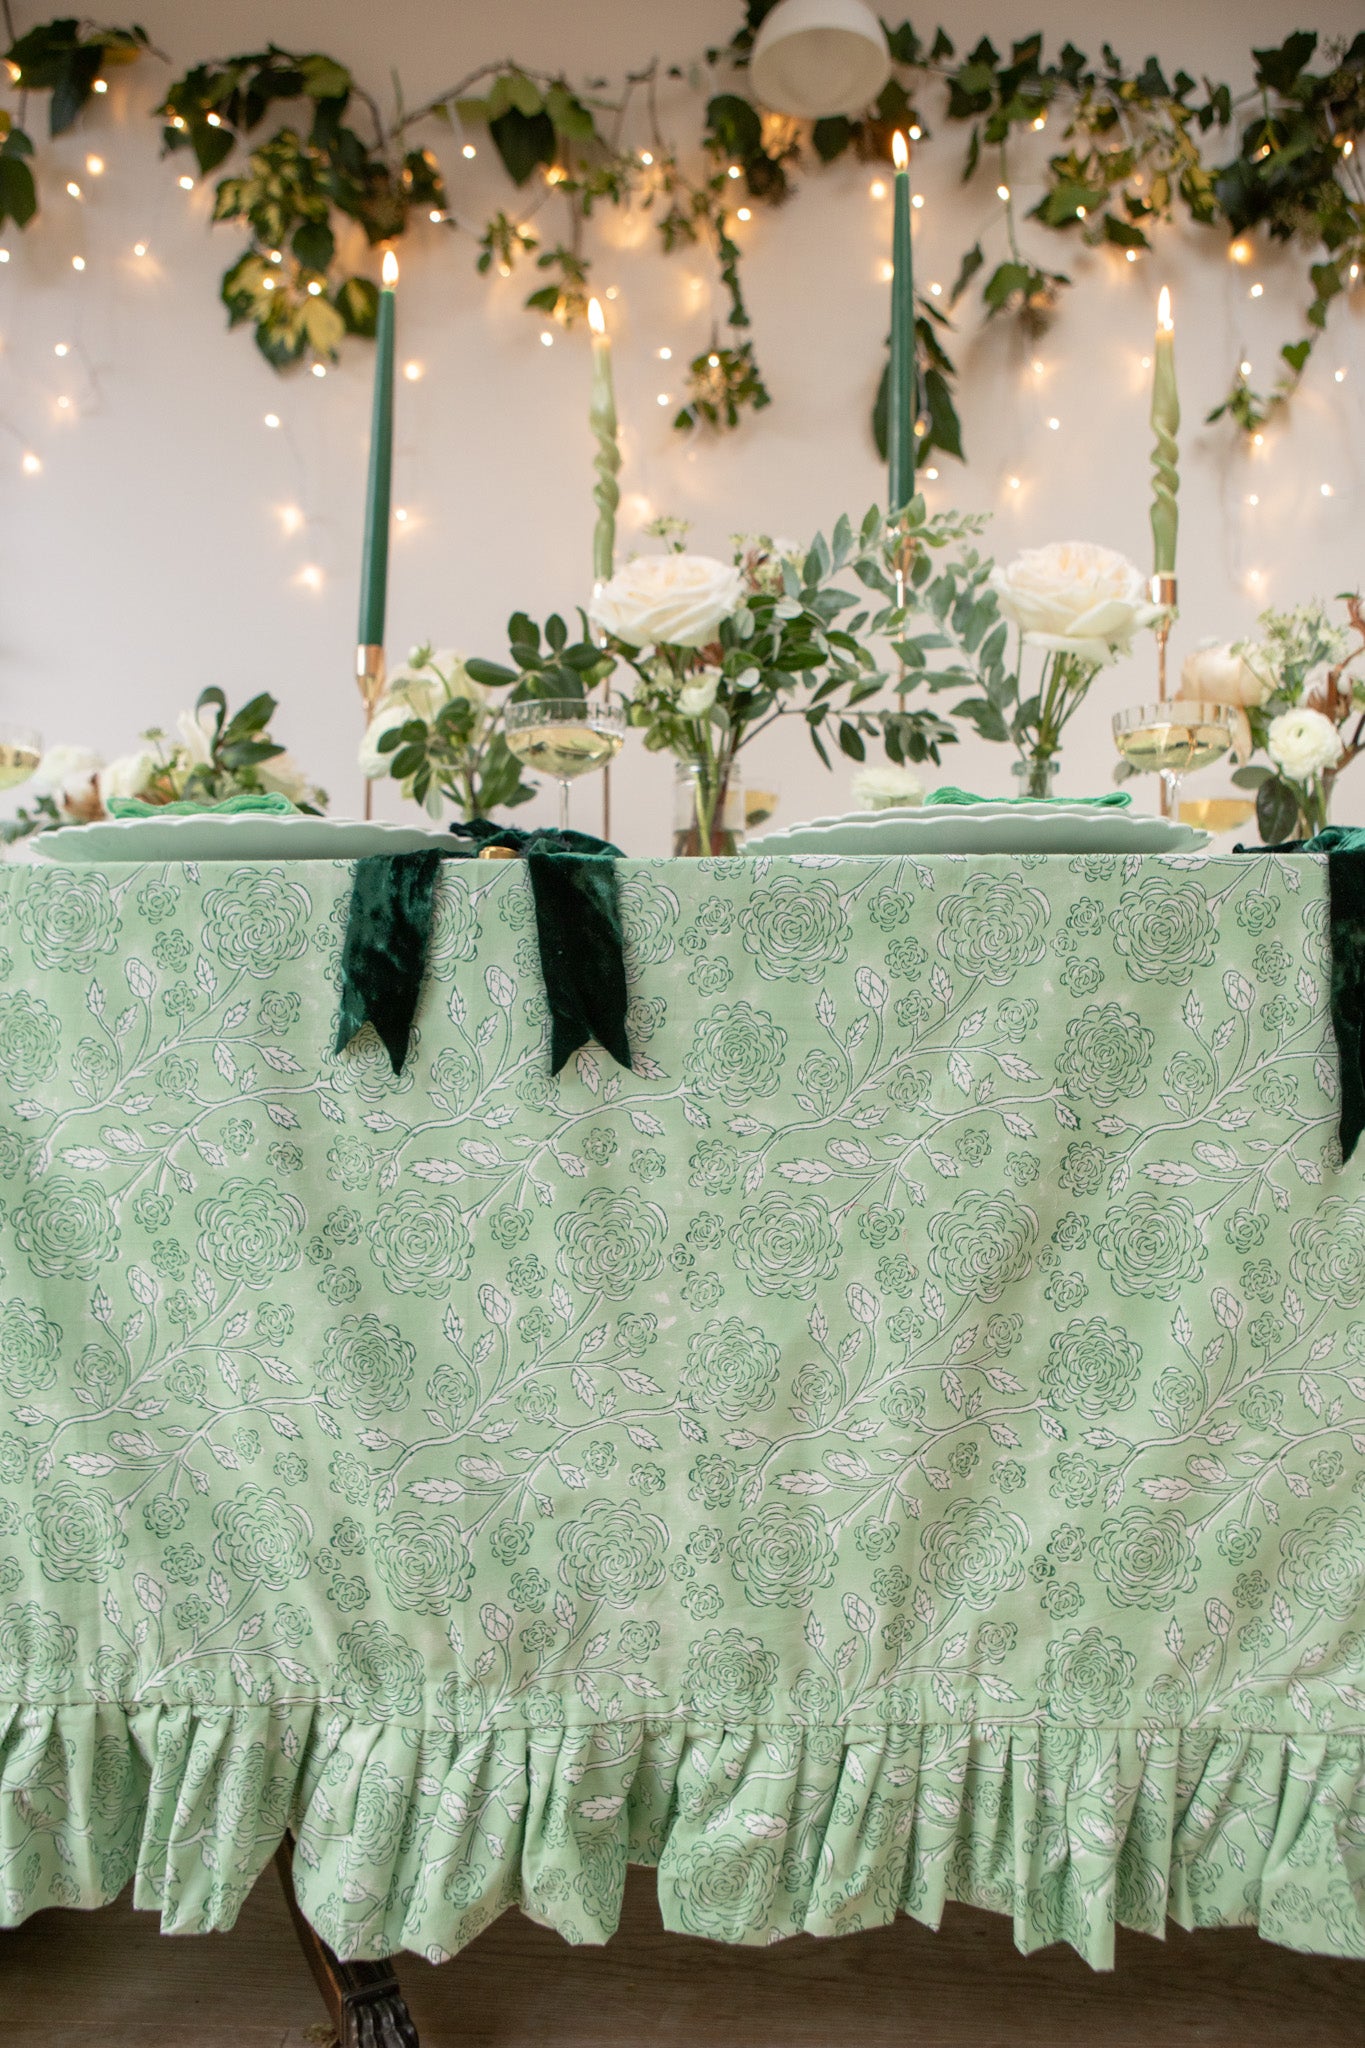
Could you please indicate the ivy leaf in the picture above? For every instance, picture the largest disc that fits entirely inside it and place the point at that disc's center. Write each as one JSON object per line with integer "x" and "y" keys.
{"x": 945, "y": 428}
{"x": 1004, "y": 281}
{"x": 734, "y": 126}
{"x": 971, "y": 263}
{"x": 74, "y": 87}
{"x": 357, "y": 301}
{"x": 1279, "y": 69}
{"x": 524, "y": 142}
{"x": 314, "y": 245}
{"x": 18, "y": 194}
{"x": 831, "y": 137}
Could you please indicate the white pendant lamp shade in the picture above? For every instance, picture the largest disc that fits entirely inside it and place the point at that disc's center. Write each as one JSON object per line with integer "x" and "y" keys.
{"x": 819, "y": 57}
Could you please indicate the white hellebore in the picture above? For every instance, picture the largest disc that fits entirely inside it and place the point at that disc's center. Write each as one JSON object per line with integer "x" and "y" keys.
{"x": 696, "y": 697}
{"x": 885, "y": 788}
{"x": 668, "y": 600}
{"x": 127, "y": 776}
{"x": 196, "y": 737}
{"x": 1072, "y": 597}
{"x": 1302, "y": 743}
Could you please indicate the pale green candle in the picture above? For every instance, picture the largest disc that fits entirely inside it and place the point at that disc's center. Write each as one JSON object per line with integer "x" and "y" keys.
{"x": 607, "y": 461}
{"x": 1165, "y": 426}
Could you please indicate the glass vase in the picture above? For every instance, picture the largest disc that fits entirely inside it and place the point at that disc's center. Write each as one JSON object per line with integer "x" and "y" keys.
{"x": 1035, "y": 777}
{"x": 708, "y": 808}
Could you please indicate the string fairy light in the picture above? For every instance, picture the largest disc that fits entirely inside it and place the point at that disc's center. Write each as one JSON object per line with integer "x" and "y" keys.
{"x": 876, "y": 190}
{"x": 917, "y": 200}
{"x": 31, "y": 464}
{"x": 665, "y": 355}
{"x": 1257, "y": 291}
{"x": 186, "y": 183}
{"x": 743, "y": 213}
{"x": 272, "y": 419}
{"x": 95, "y": 166}
{"x": 469, "y": 152}
{"x": 319, "y": 369}
{"x": 78, "y": 263}
{"x": 310, "y": 576}
{"x": 413, "y": 372}
{"x": 547, "y": 339}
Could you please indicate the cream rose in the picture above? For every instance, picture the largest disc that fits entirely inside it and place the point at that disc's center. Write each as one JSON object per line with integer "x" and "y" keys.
{"x": 696, "y": 697}
{"x": 1218, "y": 673}
{"x": 885, "y": 788}
{"x": 668, "y": 600}
{"x": 66, "y": 771}
{"x": 1302, "y": 743}
{"x": 1072, "y": 597}
{"x": 127, "y": 776}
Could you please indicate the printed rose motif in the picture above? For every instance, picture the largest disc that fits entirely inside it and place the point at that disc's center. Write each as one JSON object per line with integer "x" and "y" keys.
{"x": 785, "y": 1244}
{"x": 1163, "y": 930}
{"x": 736, "y": 1054}
{"x": 723, "y": 1887}
{"x": 796, "y": 928}
{"x": 1144, "y": 1557}
{"x": 1151, "y": 1245}
{"x": 366, "y": 1366}
{"x": 613, "y": 1551}
{"x": 455, "y": 929}
{"x": 37, "y": 1653}
{"x": 1323, "y": 1561}
{"x": 731, "y": 1369}
{"x": 65, "y": 1228}
{"x": 1093, "y": 1367}
{"x": 262, "y": 1537}
{"x": 29, "y": 1037}
{"x": 1329, "y": 1252}
{"x": 1087, "y": 1678}
{"x": 381, "y": 1807}
{"x": 974, "y": 1553}
{"x": 249, "y": 1231}
{"x": 611, "y": 1244}
{"x": 67, "y": 917}
{"x": 377, "y": 1676}
{"x": 729, "y": 1676}
{"x": 256, "y": 921}
{"x": 648, "y": 914}
{"x": 782, "y": 1555}
{"x": 421, "y": 1243}
{"x": 75, "y": 1532}
{"x": 994, "y": 928}
{"x": 29, "y": 1348}
{"x": 364, "y": 1066}
{"x": 424, "y": 1560}
{"x": 983, "y": 1244}
{"x": 1106, "y": 1055}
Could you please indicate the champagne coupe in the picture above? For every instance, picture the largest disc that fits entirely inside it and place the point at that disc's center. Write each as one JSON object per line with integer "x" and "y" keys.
{"x": 1174, "y": 738}
{"x": 21, "y": 749}
{"x": 565, "y": 737}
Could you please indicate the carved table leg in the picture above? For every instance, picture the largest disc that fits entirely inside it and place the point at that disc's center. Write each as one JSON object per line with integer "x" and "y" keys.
{"x": 364, "y": 1999}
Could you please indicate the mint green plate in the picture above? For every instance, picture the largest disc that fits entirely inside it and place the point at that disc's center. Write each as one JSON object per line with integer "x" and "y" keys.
{"x": 247, "y": 836}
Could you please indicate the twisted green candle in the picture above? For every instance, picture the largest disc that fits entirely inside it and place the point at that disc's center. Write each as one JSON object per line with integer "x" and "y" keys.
{"x": 901, "y": 404}
{"x": 1165, "y": 426}
{"x": 607, "y": 461}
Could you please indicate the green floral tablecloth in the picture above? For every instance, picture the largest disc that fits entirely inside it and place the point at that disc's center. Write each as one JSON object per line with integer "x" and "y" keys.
{"x": 901, "y": 1444}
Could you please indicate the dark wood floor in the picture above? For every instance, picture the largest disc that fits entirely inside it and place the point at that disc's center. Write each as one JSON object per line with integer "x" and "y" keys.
{"x": 108, "y": 1980}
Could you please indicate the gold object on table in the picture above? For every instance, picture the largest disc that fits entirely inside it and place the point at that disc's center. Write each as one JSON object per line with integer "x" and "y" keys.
{"x": 369, "y": 674}
{"x": 498, "y": 853}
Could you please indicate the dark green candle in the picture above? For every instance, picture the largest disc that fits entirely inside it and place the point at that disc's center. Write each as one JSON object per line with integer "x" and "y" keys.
{"x": 901, "y": 396}
{"x": 374, "y": 560}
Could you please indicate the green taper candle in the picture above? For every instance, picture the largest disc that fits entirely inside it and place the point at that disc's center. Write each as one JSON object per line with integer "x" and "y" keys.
{"x": 1165, "y": 426}
{"x": 374, "y": 560}
{"x": 901, "y": 399}
{"x": 607, "y": 461}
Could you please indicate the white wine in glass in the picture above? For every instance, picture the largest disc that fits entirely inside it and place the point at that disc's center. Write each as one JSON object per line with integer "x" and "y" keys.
{"x": 21, "y": 749}
{"x": 1173, "y": 739}
{"x": 564, "y": 737}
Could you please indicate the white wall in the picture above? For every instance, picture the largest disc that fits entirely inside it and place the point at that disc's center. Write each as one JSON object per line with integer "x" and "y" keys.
{"x": 149, "y": 557}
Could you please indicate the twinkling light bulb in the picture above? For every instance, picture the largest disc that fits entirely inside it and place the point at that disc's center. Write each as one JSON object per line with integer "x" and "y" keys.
{"x": 139, "y": 248}
{"x": 314, "y": 288}
{"x": 1257, "y": 291}
{"x": 435, "y": 216}
{"x": 917, "y": 200}
{"x": 1252, "y": 498}
{"x": 100, "y": 85}
{"x": 413, "y": 372}
{"x": 1054, "y": 424}
{"x": 665, "y": 355}
{"x": 73, "y": 189}
{"x": 187, "y": 183}
{"x": 1240, "y": 250}
{"x": 310, "y": 576}
{"x": 547, "y": 339}
{"x": 1327, "y": 490}
{"x": 319, "y": 369}
{"x": 469, "y": 152}
{"x": 646, "y": 157}
{"x": 63, "y": 348}
{"x": 735, "y": 171}
{"x": 932, "y": 475}
{"x": 78, "y": 263}
{"x": 31, "y": 464}
{"x": 1013, "y": 483}
{"x": 664, "y": 399}
{"x": 272, "y": 419}
{"x": 1002, "y": 191}
{"x": 744, "y": 213}
{"x": 95, "y": 166}
{"x": 876, "y": 190}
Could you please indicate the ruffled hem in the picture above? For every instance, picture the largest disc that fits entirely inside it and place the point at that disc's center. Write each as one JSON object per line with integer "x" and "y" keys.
{"x": 415, "y": 1837}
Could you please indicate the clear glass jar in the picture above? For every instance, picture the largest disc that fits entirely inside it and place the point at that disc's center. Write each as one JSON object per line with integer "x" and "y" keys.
{"x": 708, "y": 808}
{"x": 1035, "y": 778}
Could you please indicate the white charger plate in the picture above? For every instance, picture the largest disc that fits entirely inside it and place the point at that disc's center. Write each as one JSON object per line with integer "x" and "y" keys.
{"x": 985, "y": 828}
{"x": 241, "y": 835}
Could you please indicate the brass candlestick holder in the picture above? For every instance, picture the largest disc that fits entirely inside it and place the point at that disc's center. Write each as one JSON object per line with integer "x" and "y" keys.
{"x": 369, "y": 675}
{"x": 1163, "y": 594}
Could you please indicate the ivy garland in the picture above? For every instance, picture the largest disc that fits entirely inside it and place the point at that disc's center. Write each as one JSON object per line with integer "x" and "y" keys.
{"x": 314, "y": 152}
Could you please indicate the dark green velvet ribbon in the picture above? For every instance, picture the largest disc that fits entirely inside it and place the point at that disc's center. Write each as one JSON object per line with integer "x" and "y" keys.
{"x": 1344, "y": 846}
{"x": 578, "y": 925}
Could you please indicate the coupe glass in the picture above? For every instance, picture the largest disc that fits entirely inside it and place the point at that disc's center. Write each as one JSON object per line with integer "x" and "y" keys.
{"x": 1175, "y": 739}
{"x": 565, "y": 737}
{"x": 21, "y": 749}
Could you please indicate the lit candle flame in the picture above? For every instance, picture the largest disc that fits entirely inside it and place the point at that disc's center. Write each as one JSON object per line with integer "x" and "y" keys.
{"x": 596, "y": 317}
{"x": 1163, "y": 311}
{"x": 389, "y": 270}
{"x": 900, "y": 151}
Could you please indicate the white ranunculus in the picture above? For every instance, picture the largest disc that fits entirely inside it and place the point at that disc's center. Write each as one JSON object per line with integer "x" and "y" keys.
{"x": 282, "y": 774}
{"x": 66, "y": 771}
{"x": 127, "y": 776}
{"x": 1302, "y": 743}
{"x": 196, "y": 730}
{"x": 1218, "y": 673}
{"x": 886, "y": 787}
{"x": 668, "y": 600}
{"x": 696, "y": 697}
{"x": 1073, "y": 597}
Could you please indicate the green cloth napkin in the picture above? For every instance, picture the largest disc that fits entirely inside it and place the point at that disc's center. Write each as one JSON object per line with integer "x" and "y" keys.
{"x": 578, "y": 925}
{"x": 269, "y": 803}
{"x": 1116, "y": 800}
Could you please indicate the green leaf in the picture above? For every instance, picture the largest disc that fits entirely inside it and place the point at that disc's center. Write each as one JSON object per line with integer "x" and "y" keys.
{"x": 1252, "y": 776}
{"x": 314, "y": 245}
{"x": 1005, "y": 280}
{"x": 831, "y": 137}
{"x": 1279, "y": 69}
{"x": 324, "y": 78}
{"x": 357, "y": 301}
{"x": 734, "y": 126}
{"x": 1277, "y": 811}
{"x": 73, "y": 88}
{"x": 524, "y": 142}
{"x": 971, "y": 263}
{"x": 850, "y": 742}
{"x": 490, "y": 673}
{"x": 18, "y": 194}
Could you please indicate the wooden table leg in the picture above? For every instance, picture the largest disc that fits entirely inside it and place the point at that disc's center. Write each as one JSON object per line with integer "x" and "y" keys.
{"x": 364, "y": 1999}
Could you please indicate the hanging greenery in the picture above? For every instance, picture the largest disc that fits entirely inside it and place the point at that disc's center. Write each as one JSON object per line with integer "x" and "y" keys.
{"x": 314, "y": 152}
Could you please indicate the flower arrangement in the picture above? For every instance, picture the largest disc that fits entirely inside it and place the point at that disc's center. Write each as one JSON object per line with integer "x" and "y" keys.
{"x": 1297, "y": 702}
{"x": 437, "y": 731}
{"x": 211, "y": 756}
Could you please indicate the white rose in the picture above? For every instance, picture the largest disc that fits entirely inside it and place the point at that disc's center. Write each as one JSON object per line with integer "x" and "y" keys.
{"x": 283, "y": 774}
{"x": 437, "y": 681}
{"x": 1302, "y": 743}
{"x": 1072, "y": 597}
{"x": 886, "y": 788}
{"x": 66, "y": 771}
{"x": 668, "y": 600}
{"x": 196, "y": 737}
{"x": 696, "y": 697}
{"x": 1218, "y": 673}
{"x": 127, "y": 776}
{"x": 390, "y": 712}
